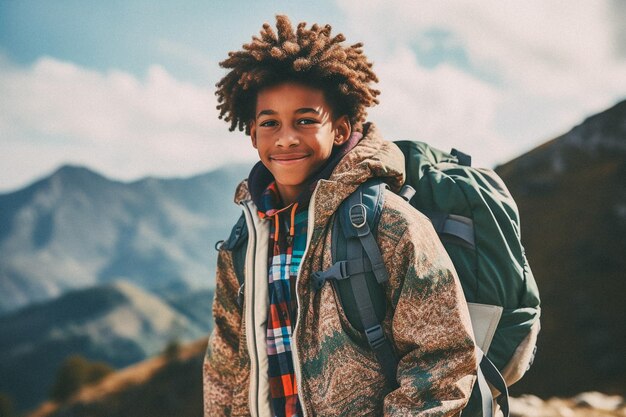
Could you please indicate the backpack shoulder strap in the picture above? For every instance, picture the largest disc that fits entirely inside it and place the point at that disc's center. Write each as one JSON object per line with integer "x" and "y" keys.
{"x": 359, "y": 270}
{"x": 237, "y": 243}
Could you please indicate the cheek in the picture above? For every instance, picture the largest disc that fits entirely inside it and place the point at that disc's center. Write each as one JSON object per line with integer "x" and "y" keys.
{"x": 325, "y": 147}
{"x": 324, "y": 142}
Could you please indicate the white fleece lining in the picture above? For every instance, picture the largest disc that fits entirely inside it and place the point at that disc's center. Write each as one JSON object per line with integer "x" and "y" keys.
{"x": 256, "y": 294}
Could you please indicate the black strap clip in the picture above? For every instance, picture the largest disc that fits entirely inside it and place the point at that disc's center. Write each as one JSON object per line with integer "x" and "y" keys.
{"x": 338, "y": 271}
{"x": 317, "y": 280}
{"x": 375, "y": 336}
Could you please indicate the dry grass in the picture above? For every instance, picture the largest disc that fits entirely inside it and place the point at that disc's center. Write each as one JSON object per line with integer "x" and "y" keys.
{"x": 121, "y": 380}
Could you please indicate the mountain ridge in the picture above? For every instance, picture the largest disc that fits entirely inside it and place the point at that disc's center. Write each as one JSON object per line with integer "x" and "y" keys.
{"x": 116, "y": 323}
{"x": 77, "y": 228}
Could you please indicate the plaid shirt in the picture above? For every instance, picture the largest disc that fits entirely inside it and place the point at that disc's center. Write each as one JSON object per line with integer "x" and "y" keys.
{"x": 288, "y": 230}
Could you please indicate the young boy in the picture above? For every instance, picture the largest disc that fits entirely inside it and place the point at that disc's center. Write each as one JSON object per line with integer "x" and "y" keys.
{"x": 290, "y": 350}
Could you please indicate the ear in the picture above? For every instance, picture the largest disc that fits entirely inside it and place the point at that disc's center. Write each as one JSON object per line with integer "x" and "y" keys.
{"x": 252, "y": 125}
{"x": 342, "y": 129}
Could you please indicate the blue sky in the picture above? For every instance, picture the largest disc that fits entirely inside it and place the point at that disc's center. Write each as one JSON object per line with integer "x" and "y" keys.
{"x": 126, "y": 88}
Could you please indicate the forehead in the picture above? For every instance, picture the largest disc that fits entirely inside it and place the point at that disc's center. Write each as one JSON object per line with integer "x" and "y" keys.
{"x": 291, "y": 95}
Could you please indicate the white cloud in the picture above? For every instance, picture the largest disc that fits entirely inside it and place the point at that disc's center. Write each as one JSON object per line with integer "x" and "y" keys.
{"x": 533, "y": 69}
{"x": 188, "y": 62}
{"x": 543, "y": 65}
{"x": 55, "y": 112}
{"x": 444, "y": 107}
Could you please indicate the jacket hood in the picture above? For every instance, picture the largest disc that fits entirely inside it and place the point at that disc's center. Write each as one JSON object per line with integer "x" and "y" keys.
{"x": 371, "y": 157}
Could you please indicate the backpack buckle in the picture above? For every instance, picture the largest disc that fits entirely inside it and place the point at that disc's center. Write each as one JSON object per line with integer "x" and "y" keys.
{"x": 375, "y": 336}
{"x": 337, "y": 271}
{"x": 358, "y": 215}
{"x": 317, "y": 280}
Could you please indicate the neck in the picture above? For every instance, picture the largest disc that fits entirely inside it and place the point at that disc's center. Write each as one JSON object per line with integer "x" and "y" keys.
{"x": 289, "y": 193}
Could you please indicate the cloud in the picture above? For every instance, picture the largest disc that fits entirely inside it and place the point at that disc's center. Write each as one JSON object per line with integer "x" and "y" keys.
{"x": 542, "y": 66}
{"x": 443, "y": 106}
{"x": 188, "y": 62}
{"x": 55, "y": 112}
{"x": 492, "y": 78}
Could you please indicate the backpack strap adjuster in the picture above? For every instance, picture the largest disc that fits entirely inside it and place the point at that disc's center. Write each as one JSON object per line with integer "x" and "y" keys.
{"x": 375, "y": 336}
{"x": 358, "y": 216}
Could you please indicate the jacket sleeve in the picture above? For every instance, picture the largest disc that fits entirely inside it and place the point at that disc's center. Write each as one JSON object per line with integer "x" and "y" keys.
{"x": 220, "y": 376}
{"x": 431, "y": 330}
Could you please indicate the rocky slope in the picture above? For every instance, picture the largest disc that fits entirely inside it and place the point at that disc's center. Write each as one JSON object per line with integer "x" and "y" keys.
{"x": 571, "y": 194}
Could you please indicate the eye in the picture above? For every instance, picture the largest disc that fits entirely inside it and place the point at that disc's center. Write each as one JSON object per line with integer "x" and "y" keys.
{"x": 306, "y": 121}
{"x": 268, "y": 123}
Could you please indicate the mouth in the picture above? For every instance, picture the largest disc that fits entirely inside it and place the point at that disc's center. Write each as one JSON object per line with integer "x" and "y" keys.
{"x": 289, "y": 158}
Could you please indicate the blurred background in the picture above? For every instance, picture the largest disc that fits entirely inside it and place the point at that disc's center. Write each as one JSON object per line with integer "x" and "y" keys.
{"x": 117, "y": 178}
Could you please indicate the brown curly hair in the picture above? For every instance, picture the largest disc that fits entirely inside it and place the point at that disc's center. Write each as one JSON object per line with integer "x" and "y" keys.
{"x": 310, "y": 56}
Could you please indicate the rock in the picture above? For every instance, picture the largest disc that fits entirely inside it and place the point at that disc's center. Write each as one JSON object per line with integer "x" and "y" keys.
{"x": 587, "y": 404}
{"x": 598, "y": 401}
{"x": 527, "y": 406}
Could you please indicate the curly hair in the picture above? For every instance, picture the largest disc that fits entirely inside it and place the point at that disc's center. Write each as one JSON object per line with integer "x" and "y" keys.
{"x": 309, "y": 56}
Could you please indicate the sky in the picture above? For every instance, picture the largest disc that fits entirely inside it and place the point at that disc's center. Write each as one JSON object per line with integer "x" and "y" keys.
{"x": 126, "y": 88}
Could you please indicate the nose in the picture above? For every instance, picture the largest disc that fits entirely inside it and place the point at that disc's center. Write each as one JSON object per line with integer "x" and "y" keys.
{"x": 287, "y": 137}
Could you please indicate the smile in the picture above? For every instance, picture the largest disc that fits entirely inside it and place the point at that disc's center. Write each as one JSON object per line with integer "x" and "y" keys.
{"x": 288, "y": 158}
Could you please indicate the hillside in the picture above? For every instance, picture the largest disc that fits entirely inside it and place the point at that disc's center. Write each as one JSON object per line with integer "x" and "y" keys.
{"x": 164, "y": 388}
{"x": 571, "y": 194}
{"x": 116, "y": 323}
{"x": 77, "y": 228}
{"x": 158, "y": 387}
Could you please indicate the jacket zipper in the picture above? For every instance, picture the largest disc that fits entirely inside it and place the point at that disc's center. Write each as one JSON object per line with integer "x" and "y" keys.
{"x": 295, "y": 356}
{"x": 253, "y": 395}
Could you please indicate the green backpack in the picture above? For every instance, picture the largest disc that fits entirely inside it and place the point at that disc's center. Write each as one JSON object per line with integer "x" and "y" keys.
{"x": 478, "y": 224}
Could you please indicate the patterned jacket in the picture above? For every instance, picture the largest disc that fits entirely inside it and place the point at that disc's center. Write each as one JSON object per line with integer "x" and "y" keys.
{"x": 336, "y": 371}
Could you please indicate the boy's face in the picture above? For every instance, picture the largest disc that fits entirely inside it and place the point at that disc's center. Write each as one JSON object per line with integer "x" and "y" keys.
{"x": 294, "y": 133}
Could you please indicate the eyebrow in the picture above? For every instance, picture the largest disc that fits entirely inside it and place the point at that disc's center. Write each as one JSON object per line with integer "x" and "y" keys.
{"x": 307, "y": 110}
{"x": 299, "y": 111}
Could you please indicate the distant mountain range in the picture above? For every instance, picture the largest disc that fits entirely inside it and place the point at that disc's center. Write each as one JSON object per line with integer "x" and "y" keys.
{"x": 76, "y": 229}
{"x": 571, "y": 194}
{"x": 117, "y": 323}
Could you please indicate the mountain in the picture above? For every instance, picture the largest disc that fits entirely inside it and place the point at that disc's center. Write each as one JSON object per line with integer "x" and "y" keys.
{"x": 77, "y": 228}
{"x": 571, "y": 194}
{"x": 117, "y": 323}
{"x": 196, "y": 305}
